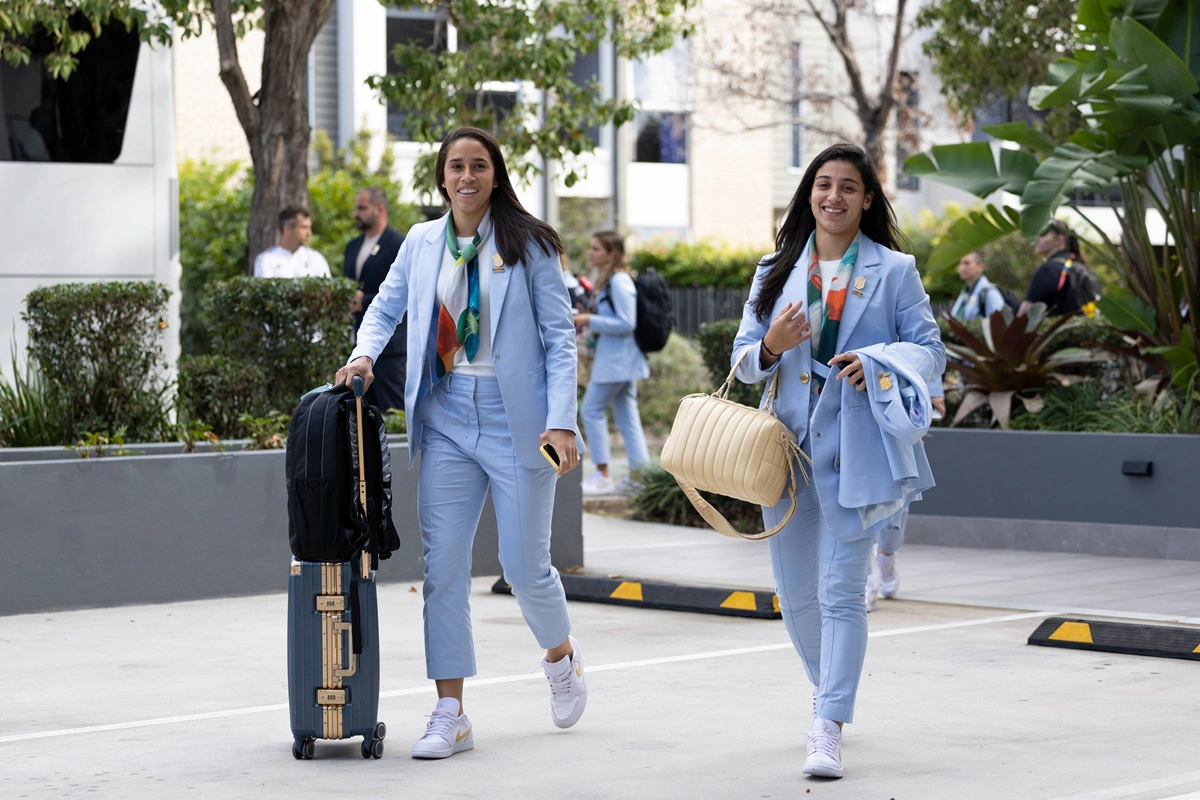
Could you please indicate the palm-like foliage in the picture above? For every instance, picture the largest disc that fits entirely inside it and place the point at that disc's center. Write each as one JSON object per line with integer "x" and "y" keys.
{"x": 1134, "y": 85}
{"x": 1011, "y": 361}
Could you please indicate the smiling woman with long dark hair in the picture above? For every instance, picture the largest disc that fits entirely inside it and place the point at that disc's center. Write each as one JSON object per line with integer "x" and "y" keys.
{"x": 491, "y": 379}
{"x": 838, "y": 315}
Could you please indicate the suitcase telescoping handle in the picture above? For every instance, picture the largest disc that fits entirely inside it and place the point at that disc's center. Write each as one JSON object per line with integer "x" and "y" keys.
{"x": 362, "y": 468}
{"x": 351, "y": 667}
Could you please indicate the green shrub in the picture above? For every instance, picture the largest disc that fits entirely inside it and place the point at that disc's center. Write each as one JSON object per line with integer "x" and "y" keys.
{"x": 1087, "y": 406}
{"x": 655, "y": 496}
{"x": 578, "y": 219}
{"x": 214, "y": 206}
{"x": 26, "y": 420}
{"x": 99, "y": 348}
{"x": 677, "y": 370}
{"x": 295, "y": 331}
{"x": 217, "y": 390}
{"x": 716, "y": 345}
{"x": 700, "y": 264}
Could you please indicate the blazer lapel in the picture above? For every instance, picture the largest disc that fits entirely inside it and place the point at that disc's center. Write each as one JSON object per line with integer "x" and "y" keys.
{"x": 866, "y": 274}
{"x": 498, "y": 288}
{"x": 427, "y": 265}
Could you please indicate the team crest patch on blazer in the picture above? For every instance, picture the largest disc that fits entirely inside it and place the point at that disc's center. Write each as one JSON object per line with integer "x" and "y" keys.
{"x": 885, "y": 381}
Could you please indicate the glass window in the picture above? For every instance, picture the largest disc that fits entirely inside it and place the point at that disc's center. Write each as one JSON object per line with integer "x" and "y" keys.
{"x": 81, "y": 119}
{"x": 584, "y": 71}
{"x": 403, "y": 28}
{"x": 795, "y": 131}
{"x": 661, "y": 137}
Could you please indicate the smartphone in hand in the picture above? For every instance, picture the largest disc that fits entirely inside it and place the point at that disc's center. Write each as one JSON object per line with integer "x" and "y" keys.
{"x": 551, "y": 455}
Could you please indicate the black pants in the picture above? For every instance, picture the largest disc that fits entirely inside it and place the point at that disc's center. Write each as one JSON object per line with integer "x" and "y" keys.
{"x": 387, "y": 390}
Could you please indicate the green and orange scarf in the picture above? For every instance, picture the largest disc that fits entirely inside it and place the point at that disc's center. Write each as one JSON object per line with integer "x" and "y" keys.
{"x": 825, "y": 314}
{"x": 458, "y": 318}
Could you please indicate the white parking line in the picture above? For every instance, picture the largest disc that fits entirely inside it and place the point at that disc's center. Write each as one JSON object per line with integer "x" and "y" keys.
{"x": 1132, "y": 789}
{"x": 537, "y": 675}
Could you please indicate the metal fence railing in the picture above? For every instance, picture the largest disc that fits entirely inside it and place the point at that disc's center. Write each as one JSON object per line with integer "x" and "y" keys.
{"x": 695, "y": 305}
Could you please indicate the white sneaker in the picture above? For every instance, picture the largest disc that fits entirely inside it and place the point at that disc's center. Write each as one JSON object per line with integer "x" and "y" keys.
{"x": 568, "y": 689}
{"x": 824, "y": 749}
{"x": 872, "y": 592}
{"x": 598, "y": 484}
{"x": 447, "y": 733}
{"x": 889, "y": 577}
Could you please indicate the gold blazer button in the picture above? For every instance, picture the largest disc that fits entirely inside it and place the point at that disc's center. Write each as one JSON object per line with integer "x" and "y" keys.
{"x": 804, "y": 377}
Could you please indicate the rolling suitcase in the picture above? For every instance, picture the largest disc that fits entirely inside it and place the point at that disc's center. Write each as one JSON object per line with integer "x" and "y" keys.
{"x": 339, "y": 509}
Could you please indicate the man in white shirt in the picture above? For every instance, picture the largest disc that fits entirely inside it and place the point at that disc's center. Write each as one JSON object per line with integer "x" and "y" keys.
{"x": 292, "y": 257}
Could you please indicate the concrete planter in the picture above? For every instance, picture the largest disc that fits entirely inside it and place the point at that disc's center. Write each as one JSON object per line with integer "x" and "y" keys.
{"x": 1063, "y": 492}
{"x": 81, "y": 533}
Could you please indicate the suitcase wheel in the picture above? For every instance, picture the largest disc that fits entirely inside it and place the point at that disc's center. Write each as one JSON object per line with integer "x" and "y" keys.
{"x": 381, "y": 731}
{"x": 304, "y": 748}
{"x": 372, "y": 748}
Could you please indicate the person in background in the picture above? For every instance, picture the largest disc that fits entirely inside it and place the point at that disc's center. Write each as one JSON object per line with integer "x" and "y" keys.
{"x": 1055, "y": 283}
{"x": 979, "y": 298}
{"x": 292, "y": 257}
{"x": 618, "y": 363}
{"x": 367, "y": 261}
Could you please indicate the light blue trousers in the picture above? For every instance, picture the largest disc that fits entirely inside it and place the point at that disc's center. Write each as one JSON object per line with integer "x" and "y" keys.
{"x": 891, "y": 537}
{"x": 821, "y": 583}
{"x": 467, "y": 447}
{"x": 623, "y": 399}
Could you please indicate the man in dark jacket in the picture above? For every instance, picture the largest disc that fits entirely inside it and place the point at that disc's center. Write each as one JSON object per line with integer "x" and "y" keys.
{"x": 368, "y": 259}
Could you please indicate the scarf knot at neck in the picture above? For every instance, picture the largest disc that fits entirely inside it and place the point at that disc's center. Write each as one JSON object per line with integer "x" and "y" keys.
{"x": 458, "y": 317}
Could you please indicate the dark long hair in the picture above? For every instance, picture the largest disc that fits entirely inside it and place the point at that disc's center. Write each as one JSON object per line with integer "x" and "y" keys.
{"x": 515, "y": 227}
{"x": 878, "y": 222}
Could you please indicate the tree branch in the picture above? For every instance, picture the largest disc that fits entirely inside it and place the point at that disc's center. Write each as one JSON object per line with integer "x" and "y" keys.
{"x": 887, "y": 95}
{"x": 231, "y": 71}
{"x": 841, "y": 42}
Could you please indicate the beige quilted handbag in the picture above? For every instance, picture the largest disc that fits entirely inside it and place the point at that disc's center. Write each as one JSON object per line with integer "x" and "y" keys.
{"x": 719, "y": 446}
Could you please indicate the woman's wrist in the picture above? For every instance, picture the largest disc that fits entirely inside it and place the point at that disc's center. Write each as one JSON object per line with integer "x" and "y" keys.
{"x": 767, "y": 349}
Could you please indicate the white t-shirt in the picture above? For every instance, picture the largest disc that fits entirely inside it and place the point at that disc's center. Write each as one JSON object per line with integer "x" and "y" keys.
{"x": 364, "y": 253}
{"x": 828, "y": 276}
{"x": 278, "y": 262}
{"x": 482, "y": 366}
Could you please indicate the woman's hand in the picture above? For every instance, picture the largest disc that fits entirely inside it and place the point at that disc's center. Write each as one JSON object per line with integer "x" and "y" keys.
{"x": 581, "y": 319}
{"x": 361, "y": 367}
{"x": 563, "y": 443}
{"x": 853, "y": 371}
{"x": 789, "y": 329}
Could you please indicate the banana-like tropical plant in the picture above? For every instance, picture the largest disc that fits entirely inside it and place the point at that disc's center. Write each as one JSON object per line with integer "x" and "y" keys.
{"x": 1134, "y": 85}
{"x": 1010, "y": 361}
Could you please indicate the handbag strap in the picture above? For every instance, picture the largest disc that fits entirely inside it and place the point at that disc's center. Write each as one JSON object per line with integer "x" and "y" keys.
{"x": 772, "y": 385}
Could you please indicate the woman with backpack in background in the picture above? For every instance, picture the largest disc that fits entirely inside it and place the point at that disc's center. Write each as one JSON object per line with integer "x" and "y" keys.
{"x": 617, "y": 365}
{"x": 489, "y": 392}
{"x": 1063, "y": 282}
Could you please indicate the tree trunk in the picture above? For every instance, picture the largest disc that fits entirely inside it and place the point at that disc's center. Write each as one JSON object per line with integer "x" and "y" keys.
{"x": 275, "y": 120}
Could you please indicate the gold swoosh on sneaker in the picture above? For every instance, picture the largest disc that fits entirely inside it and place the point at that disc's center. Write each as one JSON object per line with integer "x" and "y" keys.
{"x": 458, "y": 737}
{"x": 579, "y": 671}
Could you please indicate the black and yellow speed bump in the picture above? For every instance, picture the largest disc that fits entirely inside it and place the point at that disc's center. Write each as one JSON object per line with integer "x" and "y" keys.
{"x": 667, "y": 596}
{"x": 1134, "y": 639}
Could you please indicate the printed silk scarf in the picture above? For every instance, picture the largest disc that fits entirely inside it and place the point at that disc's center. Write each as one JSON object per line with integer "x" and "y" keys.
{"x": 458, "y": 318}
{"x": 825, "y": 316}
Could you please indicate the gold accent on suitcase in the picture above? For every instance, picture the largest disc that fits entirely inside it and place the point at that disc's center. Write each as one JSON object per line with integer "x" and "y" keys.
{"x": 331, "y": 697}
{"x": 331, "y": 603}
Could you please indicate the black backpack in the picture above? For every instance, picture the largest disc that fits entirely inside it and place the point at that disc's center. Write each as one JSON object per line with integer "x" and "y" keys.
{"x": 326, "y": 521}
{"x": 655, "y": 319}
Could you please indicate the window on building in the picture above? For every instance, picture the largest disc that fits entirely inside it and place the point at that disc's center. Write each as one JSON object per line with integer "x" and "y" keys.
{"x": 81, "y": 119}
{"x": 661, "y": 82}
{"x": 403, "y": 27}
{"x": 1111, "y": 198}
{"x": 584, "y": 71}
{"x": 908, "y": 130}
{"x": 795, "y": 129}
{"x": 661, "y": 137}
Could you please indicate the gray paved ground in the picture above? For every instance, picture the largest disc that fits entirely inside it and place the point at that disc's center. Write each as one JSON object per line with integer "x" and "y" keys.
{"x": 189, "y": 700}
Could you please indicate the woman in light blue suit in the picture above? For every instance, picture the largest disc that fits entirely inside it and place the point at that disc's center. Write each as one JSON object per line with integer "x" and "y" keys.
{"x": 835, "y": 284}
{"x": 618, "y": 363}
{"x": 491, "y": 379}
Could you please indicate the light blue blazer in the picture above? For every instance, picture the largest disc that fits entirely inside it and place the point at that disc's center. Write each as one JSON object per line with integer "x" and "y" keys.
{"x": 893, "y": 307}
{"x": 533, "y": 337}
{"x": 618, "y": 359}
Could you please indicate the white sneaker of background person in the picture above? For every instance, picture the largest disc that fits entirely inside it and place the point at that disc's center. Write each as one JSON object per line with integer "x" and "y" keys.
{"x": 568, "y": 688}
{"x": 598, "y": 483}
{"x": 889, "y": 576}
{"x": 824, "y": 749}
{"x": 872, "y": 592}
{"x": 447, "y": 733}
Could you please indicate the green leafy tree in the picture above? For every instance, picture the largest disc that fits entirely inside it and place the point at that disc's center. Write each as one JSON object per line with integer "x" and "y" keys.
{"x": 1133, "y": 86}
{"x": 534, "y": 43}
{"x": 274, "y": 118}
{"x": 985, "y": 50}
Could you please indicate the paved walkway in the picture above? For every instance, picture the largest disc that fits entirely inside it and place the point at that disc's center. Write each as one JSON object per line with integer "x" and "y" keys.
{"x": 189, "y": 699}
{"x": 1155, "y": 589}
